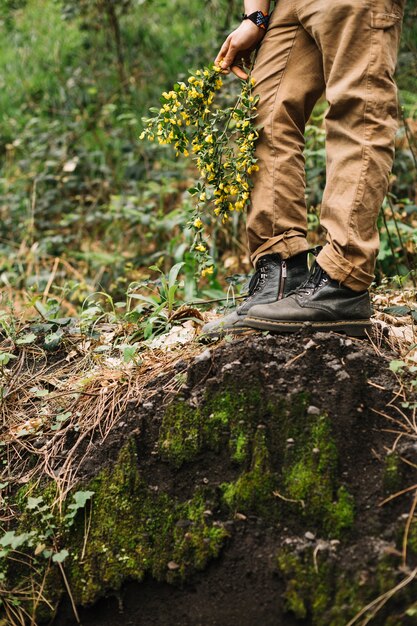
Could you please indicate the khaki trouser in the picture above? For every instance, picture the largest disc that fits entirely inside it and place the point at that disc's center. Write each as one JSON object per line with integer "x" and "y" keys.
{"x": 348, "y": 50}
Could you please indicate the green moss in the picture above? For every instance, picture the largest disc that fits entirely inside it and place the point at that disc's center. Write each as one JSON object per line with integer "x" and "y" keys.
{"x": 181, "y": 433}
{"x": 227, "y": 418}
{"x": 253, "y": 490}
{"x": 135, "y": 530}
{"x": 311, "y": 478}
{"x": 392, "y": 473}
{"x": 308, "y": 588}
{"x": 239, "y": 446}
{"x": 315, "y": 586}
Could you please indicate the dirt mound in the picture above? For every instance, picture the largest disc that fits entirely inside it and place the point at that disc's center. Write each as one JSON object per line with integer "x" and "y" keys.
{"x": 248, "y": 490}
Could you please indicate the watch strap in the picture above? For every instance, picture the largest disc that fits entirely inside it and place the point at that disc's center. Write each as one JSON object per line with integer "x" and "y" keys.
{"x": 259, "y": 18}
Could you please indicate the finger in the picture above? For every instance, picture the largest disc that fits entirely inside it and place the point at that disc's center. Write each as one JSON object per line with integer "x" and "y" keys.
{"x": 239, "y": 72}
{"x": 229, "y": 57}
{"x": 223, "y": 52}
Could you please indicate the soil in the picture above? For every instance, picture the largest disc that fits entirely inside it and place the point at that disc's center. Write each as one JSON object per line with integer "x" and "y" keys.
{"x": 350, "y": 381}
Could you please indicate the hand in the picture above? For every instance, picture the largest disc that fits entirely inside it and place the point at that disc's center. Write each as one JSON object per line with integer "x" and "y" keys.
{"x": 236, "y": 51}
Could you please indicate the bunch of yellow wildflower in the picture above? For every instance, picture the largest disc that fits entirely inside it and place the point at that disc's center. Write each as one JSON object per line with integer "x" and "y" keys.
{"x": 221, "y": 141}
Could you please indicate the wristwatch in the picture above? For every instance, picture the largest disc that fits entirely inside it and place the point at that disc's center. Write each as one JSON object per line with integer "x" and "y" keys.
{"x": 259, "y": 18}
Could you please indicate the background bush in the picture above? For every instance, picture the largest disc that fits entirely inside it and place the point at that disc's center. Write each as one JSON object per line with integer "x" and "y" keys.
{"x": 84, "y": 205}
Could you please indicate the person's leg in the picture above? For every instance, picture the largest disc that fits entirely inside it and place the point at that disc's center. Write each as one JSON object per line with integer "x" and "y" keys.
{"x": 289, "y": 79}
{"x": 359, "y": 42}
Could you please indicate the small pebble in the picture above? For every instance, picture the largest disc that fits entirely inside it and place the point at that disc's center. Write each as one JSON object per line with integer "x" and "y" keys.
{"x": 313, "y": 410}
{"x": 173, "y": 566}
{"x": 308, "y": 535}
{"x": 204, "y": 356}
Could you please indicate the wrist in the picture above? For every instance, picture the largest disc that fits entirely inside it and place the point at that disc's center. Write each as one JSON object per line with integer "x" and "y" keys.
{"x": 259, "y": 18}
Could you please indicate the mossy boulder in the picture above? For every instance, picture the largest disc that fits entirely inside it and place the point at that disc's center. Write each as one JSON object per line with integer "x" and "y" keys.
{"x": 260, "y": 478}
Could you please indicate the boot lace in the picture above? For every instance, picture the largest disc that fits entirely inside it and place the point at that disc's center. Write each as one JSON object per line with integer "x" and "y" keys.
{"x": 317, "y": 279}
{"x": 258, "y": 279}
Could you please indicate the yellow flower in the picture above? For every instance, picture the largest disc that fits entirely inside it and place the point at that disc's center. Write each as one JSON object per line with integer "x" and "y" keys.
{"x": 207, "y": 271}
{"x": 209, "y": 138}
{"x": 142, "y": 135}
{"x": 192, "y": 79}
{"x": 202, "y": 197}
{"x": 186, "y": 153}
{"x": 197, "y": 223}
{"x": 200, "y": 247}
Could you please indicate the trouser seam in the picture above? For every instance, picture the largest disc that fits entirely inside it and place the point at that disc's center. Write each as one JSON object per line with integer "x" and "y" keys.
{"x": 273, "y": 143}
{"x": 366, "y": 148}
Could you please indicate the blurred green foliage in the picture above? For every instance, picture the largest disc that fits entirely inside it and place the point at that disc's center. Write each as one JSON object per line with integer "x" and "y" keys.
{"x": 76, "y": 185}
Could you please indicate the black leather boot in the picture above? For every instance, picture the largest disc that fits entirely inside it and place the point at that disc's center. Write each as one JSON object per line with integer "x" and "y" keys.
{"x": 320, "y": 303}
{"x": 274, "y": 278}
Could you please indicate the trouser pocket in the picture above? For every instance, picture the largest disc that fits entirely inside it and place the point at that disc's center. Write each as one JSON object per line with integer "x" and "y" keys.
{"x": 387, "y": 14}
{"x": 384, "y": 21}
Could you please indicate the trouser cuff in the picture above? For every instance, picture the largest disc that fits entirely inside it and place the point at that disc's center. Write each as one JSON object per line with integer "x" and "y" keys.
{"x": 286, "y": 245}
{"x": 342, "y": 270}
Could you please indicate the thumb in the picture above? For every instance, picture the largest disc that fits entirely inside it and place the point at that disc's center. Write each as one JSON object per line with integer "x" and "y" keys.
{"x": 229, "y": 58}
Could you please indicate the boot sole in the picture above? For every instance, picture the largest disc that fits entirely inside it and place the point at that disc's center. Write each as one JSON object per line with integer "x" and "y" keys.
{"x": 219, "y": 334}
{"x": 353, "y": 328}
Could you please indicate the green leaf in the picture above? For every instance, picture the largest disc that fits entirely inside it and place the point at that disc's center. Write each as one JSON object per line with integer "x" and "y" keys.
{"x": 5, "y": 357}
{"x": 148, "y": 299}
{"x": 33, "y": 503}
{"x": 26, "y": 339}
{"x": 39, "y": 393}
{"x": 398, "y": 311}
{"x": 60, "y": 557}
{"x": 173, "y": 273}
{"x": 53, "y": 340}
{"x": 10, "y": 539}
{"x": 81, "y": 497}
{"x": 396, "y": 365}
{"x": 129, "y": 353}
